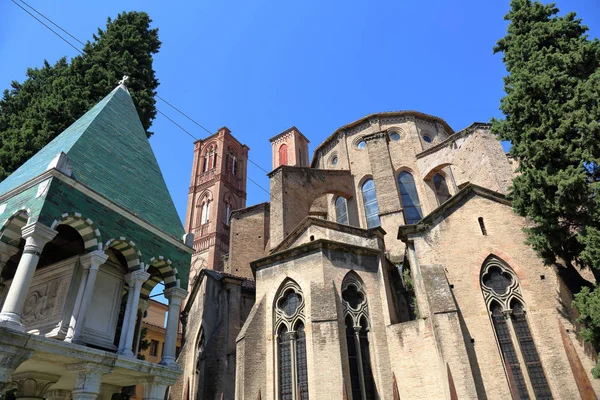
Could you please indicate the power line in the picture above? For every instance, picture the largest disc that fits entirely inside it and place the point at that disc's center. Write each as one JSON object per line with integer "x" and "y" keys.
{"x": 159, "y": 97}
{"x": 52, "y": 22}
{"x": 52, "y": 30}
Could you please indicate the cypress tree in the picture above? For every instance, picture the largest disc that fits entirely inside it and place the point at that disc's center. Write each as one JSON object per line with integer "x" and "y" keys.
{"x": 52, "y": 97}
{"x": 552, "y": 118}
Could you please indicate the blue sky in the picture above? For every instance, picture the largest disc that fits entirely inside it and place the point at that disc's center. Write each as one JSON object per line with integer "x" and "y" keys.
{"x": 260, "y": 67}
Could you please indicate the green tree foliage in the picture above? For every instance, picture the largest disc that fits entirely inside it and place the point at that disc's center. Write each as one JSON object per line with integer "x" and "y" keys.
{"x": 552, "y": 119}
{"x": 587, "y": 302}
{"x": 52, "y": 97}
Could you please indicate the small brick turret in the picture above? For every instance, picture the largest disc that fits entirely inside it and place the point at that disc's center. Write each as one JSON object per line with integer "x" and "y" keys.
{"x": 290, "y": 147}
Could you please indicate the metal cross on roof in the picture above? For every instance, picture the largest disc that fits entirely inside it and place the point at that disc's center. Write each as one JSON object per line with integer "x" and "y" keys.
{"x": 125, "y": 79}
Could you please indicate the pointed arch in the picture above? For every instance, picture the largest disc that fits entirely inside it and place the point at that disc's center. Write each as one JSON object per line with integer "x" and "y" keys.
{"x": 290, "y": 341}
{"x": 356, "y": 320}
{"x": 504, "y": 300}
{"x": 10, "y": 232}
{"x": 129, "y": 250}
{"x": 92, "y": 238}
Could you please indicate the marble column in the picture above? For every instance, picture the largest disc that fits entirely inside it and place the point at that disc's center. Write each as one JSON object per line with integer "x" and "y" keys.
{"x": 135, "y": 280}
{"x": 176, "y": 296}
{"x": 36, "y": 236}
{"x": 142, "y": 307}
{"x": 91, "y": 263}
{"x": 88, "y": 378}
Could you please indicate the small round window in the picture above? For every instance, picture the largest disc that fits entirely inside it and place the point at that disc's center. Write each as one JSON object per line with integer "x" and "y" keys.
{"x": 334, "y": 161}
{"x": 395, "y": 136}
{"x": 427, "y": 139}
{"x": 361, "y": 145}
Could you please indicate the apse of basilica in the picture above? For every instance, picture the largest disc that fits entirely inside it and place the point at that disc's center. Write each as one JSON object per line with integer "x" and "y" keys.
{"x": 389, "y": 267}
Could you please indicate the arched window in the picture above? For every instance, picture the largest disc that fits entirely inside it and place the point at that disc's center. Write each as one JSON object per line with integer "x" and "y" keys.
{"x": 227, "y": 213}
{"x": 356, "y": 317}
{"x": 205, "y": 212}
{"x": 211, "y": 158}
{"x": 341, "y": 210}
{"x": 370, "y": 202}
{"x": 233, "y": 165}
{"x": 441, "y": 189}
{"x": 283, "y": 154}
{"x": 291, "y": 343}
{"x": 502, "y": 294}
{"x": 206, "y": 161}
{"x": 409, "y": 197}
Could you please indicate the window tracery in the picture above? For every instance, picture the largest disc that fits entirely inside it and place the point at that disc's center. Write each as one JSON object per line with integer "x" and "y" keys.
{"x": 502, "y": 294}
{"x": 370, "y": 203}
{"x": 356, "y": 318}
{"x": 409, "y": 197}
{"x": 291, "y": 343}
{"x": 341, "y": 210}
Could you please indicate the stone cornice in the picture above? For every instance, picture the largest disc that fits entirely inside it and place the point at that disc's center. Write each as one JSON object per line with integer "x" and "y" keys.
{"x": 426, "y": 223}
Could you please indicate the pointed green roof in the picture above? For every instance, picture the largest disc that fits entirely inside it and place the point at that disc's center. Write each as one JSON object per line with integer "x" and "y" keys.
{"x": 111, "y": 155}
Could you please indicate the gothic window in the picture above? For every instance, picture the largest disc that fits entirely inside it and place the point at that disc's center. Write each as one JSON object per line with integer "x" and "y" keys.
{"x": 356, "y": 317}
{"x": 205, "y": 212}
{"x": 503, "y": 296}
{"x": 292, "y": 377}
{"x": 370, "y": 203}
{"x": 341, "y": 210}
{"x": 441, "y": 189}
{"x": 283, "y": 154}
{"x": 233, "y": 165}
{"x": 199, "y": 349}
{"x": 212, "y": 160}
{"x": 206, "y": 162}
{"x": 409, "y": 197}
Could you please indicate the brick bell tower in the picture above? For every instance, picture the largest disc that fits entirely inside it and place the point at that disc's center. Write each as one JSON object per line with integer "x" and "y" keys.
{"x": 217, "y": 187}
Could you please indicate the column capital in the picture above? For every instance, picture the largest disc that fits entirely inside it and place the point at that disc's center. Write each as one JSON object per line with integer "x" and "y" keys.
{"x": 137, "y": 277}
{"x": 39, "y": 232}
{"x": 175, "y": 293}
{"x": 94, "y": 259}
{"x": 143, "y": 305}
{"x": 155, "y": 387}
{"x": 33, "y": 384}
